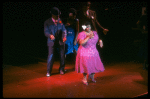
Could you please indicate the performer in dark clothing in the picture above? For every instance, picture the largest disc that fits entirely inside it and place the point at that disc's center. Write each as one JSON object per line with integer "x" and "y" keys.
{"x": 90, "y": 15}
{"x": 72, "y": 27}
{"x": 55, "y": 32}
{"x": 142, "y": 25}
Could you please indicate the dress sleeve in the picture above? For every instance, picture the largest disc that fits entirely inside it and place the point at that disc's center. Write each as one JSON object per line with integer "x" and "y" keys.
{"x": 81, "y": 36}
{"x": 95, "y": 33}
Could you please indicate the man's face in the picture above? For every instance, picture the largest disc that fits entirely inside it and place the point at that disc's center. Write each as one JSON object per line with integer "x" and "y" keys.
{"x": 88, "y": 6}
{"x": 55, "y": 17}
{"x": 84, "y": 9}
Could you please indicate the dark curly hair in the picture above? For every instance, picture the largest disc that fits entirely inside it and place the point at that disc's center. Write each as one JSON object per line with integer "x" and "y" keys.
{"x": 72, "y": 10}
{"x": 86, "y": 23}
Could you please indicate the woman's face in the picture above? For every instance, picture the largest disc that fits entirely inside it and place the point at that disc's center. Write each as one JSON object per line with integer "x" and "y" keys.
{"x": 72, "y": 16}
{"x": 88, "y": 29}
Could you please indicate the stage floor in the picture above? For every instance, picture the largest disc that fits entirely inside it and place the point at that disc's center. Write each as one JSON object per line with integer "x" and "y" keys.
{"x": 119, "y": 80}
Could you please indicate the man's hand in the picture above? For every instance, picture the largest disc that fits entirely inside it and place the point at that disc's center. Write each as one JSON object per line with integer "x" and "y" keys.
{"x": 105, "y": 31}
{"x": 52, "y": 37}
{"x": 64, "y": 39}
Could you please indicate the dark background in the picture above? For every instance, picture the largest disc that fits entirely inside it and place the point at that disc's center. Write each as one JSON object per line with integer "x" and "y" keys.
{"x": 23, "y": 29}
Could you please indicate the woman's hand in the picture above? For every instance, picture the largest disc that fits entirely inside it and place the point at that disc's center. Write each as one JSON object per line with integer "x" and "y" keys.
{"x": 90, "y": 35}
{"x": 67, "y": 24}
{"x": 100, "y": 42}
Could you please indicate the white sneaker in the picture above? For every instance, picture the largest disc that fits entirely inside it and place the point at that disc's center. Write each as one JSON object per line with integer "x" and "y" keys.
{"x": 85, "y": 82}
{"x": 48, "y": 74}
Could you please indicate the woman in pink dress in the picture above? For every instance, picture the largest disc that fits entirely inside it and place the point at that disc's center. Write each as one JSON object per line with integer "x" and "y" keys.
{"x": 88, "y": 60}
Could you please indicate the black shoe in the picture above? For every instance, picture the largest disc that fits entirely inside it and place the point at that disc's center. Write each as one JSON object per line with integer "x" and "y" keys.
{"x": 92, "y": 78}
{"x": 61, "y": 72}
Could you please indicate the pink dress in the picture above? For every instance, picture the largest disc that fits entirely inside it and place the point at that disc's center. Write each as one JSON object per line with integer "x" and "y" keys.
{"x": 88, "y": 59}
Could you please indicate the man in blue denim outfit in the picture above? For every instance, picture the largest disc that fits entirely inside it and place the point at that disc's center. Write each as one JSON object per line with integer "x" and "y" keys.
{"x": 55, "y": 32}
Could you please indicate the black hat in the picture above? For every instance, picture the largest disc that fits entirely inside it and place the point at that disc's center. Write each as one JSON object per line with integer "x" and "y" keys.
{"x": 72, "y": 10}
{"x": 55, "y": 11}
